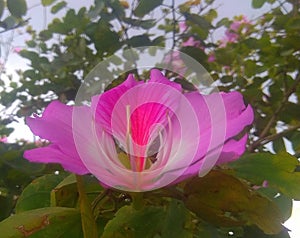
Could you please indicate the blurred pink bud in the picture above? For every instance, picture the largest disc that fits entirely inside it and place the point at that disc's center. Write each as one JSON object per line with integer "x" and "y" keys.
{"x": 211, "y": 58}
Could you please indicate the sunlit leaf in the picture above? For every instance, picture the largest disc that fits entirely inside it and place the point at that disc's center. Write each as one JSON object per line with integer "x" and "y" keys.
{"x": 278, "y": 170}
{"x": 56, "y": 222}
{"x": 47, "y": 2}
{"x": 57, "y": 7}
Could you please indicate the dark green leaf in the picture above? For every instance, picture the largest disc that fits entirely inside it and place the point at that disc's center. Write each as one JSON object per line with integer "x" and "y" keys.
{"x": 144, "y": 7}
{"x": 137, "y": 41}
{"x": 17, "y": 8}
{"x": 225, "y": 201}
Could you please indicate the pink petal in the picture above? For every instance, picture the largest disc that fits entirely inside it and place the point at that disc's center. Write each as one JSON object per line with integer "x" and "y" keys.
{"x": 55, "y": 125}
{"x": 157, "y": 77}
{"x": 232, "y": 150}
{"x": 238, "y": 115}
{"x": 53, "y": 154}
{"x": 220, "y": 116}
{"x": 103, "y": 104}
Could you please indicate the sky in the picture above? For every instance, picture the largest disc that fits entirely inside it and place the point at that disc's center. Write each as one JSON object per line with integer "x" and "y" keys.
{"x": 39, "y": 20}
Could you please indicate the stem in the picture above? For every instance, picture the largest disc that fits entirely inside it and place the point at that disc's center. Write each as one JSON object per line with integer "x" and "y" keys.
{"x": 88, "y": 222}
{"x": 137, "y": 200}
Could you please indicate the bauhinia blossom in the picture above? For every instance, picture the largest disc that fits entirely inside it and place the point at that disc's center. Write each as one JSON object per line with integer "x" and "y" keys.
{"x": 239, "y": 26}
{"x": 141, "y": 136}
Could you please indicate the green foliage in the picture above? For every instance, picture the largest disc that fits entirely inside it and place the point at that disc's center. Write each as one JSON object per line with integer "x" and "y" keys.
{"x": 37, "y": 193}
{"x": 278, "y": 170}
{"x": 17, "y": 8}
{"x": 145, "y": 7}
{"x": 224, "y": 200}
{"x": 231, "y": 201}
{"x": 150, "y": 222}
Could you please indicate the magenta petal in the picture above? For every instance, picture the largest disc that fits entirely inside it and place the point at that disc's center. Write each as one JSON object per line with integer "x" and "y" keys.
{"x": 232, "y": 150}
{"x": 55, "y": 125}
{"x": 221, "y": 116}
{"x": 157, "y": 77}
{"x": 52, "y": 154}
{"x": 103, "y": 105}
{"x": 238, "y": 115}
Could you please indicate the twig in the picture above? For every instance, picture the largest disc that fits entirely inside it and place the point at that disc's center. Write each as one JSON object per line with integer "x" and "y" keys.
{"x": 278, "y": 110}
{"x": 267, "y": 139}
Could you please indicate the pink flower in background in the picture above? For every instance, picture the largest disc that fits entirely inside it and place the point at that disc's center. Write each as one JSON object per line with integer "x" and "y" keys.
{"x": 240, "y": 25}
{"x": 211, "y": 58}
{"x": 191, "y": 42}
{"x": 141, "y": 136}
{"x": 17, "y": 50}
{"x": 3, "y": 139}
{"x": 182, "y": 26}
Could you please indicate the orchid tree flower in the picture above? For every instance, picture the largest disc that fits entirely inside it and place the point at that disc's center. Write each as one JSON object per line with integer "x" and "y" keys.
{"x": 140, "y": 136}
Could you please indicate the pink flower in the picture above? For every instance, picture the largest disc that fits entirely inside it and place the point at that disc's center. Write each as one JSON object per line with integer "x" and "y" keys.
{"x": 3, "y": 139}
{"x": 17, "y": 50}
{"x": 191, "y": 42}
{"x": 211, "y": 58}
{"x": 142, "y": 136}
{"x": 240, "y": 25}
{"x": 174, "y": 61}
{"x": 182, "y": 26}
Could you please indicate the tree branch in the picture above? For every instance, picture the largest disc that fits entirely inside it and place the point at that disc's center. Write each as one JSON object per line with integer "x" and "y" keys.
{"x": 285, "y": 99}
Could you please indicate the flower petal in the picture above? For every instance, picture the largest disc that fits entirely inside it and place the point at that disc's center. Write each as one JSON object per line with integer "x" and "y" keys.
{"x": 55, "y": 125}
{"x": 53, "y": 154}
{"x": 103, "y": 104}
{"x": 232, "y": 150}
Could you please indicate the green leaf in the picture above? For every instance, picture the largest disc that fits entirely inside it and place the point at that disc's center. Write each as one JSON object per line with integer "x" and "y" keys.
{"x": 37, "y": 193}
{"x": 57, "y": 7}
{"x": 129, "y": 222}
{"x": 278, "y": 145}
{"x": 17, "y": 8}
{"x": 278, "y": 170}
{"x": 65, "y": 194}
{"x": 258, "y": 3}
{"x": 199, "y": 20}
{"x": 141, "y": 40}
{"x": 284, "y": 203}
{"x": 2, "y": 5}
{"x": 144, "y": 7}
{"x": 56, "y": 222}
{"x": 225, "y": 201}
{"x": 9, "y": 22}
{"x": 176, "y": 217}
{"x": 46, "y": 3}
{"x": 150, "y": 222}
{"x": 251, "y": 232}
